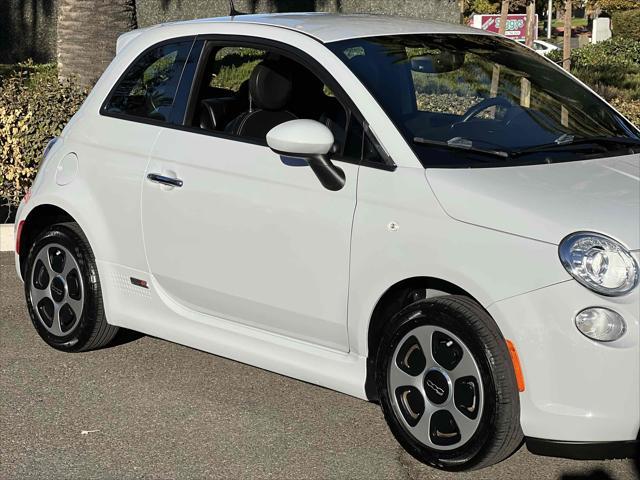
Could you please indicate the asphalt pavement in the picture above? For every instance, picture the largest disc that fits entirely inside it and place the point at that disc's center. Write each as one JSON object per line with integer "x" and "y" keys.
{"x": 150, "y": 409}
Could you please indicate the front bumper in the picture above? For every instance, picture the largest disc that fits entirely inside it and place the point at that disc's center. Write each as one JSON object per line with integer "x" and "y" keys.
{"x": 576, "y": 389}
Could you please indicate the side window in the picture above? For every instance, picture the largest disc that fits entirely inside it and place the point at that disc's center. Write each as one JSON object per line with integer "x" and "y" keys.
{"x": 244, "y": 92}
{"x": 148, "y": 88}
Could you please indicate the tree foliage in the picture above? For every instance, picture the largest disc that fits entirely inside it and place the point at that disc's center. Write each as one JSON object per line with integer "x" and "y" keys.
{"x": 492, "y": 6}
{"x": 615, "y": 5}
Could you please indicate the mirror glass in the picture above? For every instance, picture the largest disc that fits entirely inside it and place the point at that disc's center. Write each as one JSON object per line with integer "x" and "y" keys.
{"x": 436, "y": 61}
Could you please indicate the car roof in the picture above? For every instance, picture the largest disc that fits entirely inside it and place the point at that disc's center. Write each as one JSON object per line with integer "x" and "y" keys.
{"x": 327, "y": 27}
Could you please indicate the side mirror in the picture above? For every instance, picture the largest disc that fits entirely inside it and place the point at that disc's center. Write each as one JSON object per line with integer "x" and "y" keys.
{"x": 311, "y": 141}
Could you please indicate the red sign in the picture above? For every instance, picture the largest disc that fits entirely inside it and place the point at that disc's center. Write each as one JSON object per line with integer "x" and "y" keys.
{"x": 516, "y": 25}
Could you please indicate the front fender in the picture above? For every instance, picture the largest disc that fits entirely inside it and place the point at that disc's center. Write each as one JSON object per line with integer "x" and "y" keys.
{"x": 488, "y": 264}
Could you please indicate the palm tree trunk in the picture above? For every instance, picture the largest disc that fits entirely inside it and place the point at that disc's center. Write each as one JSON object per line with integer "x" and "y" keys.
{"x": 87, "y": 33}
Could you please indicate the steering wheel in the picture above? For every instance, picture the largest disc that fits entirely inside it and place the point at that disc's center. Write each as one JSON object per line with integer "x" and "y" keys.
{"x": 483, "y": 105}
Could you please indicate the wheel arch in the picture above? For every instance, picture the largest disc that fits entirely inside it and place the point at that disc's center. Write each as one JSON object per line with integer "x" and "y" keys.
{"x": 38, "y": 219}
{"x": 392, "y": 300}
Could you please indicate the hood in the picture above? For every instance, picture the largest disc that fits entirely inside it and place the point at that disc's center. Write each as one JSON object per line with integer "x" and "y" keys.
{"x": 547, "y": 202}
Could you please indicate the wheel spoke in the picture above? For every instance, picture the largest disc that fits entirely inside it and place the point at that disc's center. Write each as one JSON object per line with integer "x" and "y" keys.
{"x": 56, "y": 329}
{"x": 398, "y": 378}
{"x": 466, "y": 425}
{"x": 76, "y": 306}
{"x": 43, "y": 256}
{"x": 37, "y": 295}
{"x": 69, "y": 265}
{"x": 421, "y": 430}
{"x": 423, "y": 334}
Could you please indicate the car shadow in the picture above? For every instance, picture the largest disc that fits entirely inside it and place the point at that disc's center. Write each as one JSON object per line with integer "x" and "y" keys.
{"x": 601, "y": 474}
{"x": 594, "y": 475}
{"x": 123, "y": 337}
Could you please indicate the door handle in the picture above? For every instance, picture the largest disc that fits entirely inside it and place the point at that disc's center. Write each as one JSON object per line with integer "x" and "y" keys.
{"x": 170, "y": 181}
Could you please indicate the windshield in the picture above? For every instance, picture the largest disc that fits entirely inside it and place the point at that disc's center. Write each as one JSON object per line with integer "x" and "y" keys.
{"x": 477, "y": 100}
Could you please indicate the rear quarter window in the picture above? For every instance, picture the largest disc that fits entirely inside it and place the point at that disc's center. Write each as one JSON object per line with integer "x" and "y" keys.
{"x": 148, "y": 88}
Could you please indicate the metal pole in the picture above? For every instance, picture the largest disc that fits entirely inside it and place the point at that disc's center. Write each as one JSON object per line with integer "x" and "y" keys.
{"x": 549, "y": 18}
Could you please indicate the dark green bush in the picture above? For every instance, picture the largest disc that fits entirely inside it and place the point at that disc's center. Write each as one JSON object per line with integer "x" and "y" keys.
{"x": 34, "y": 106}
{"x": 626, "y": 23}
{"x": 612, "y": 68}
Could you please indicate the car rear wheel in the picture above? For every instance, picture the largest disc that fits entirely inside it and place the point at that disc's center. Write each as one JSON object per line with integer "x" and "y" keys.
{"x": 62, "y": 289}
{"x": 447, "y": 386}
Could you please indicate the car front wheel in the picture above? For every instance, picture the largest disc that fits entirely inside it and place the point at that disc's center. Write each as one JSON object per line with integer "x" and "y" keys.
{"x": 446, "y": 384}
{"x": 62, "y": 289}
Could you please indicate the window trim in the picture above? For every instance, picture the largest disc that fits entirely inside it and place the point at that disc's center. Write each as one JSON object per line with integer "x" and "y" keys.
{"x": 112, "y": 90}
{"x": 183, "y": 92}
{"x": 294, "y": 53}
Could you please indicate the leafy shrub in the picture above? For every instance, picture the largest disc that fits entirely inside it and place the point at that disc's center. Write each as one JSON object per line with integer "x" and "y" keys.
{"x": 627, "y": 23}
{"x": 235, "y": 67}
{"x": 34, "y": 106}
{"x": 482, "y": 6}
{"x": 612, "y": 68}
{"x": 614, "y": 5}
{"x": 630, "y": 109}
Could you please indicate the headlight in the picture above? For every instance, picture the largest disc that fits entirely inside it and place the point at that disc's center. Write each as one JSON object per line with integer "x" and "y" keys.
{"x": 599, "y": 263}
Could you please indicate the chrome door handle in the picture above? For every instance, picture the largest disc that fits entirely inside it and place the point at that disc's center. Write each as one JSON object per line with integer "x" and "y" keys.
{"x": 170, "y": 181}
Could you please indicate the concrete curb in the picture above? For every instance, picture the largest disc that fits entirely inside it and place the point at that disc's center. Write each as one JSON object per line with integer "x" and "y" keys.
{"x": 7, "y": 239}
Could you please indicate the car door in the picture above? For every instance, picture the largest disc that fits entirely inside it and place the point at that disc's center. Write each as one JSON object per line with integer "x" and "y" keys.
{"x": 117, "y": 142}
{"x": 241, "y": 233}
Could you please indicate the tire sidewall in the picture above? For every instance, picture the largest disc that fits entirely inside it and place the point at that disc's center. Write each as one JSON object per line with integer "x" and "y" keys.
{"x": 469, "y": 454}
{"x": 81, "y": 333}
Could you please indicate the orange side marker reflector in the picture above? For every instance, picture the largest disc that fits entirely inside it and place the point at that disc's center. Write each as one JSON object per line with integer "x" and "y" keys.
{"x": 516, "y": 365}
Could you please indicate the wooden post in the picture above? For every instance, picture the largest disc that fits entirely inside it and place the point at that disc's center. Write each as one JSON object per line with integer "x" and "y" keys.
{"x": 504, "y": 12}
{"x": 566, "y": 54}
{"x": 531, "y": 23}
{"x": 566, "y": 51}
{"x": 495, "y": 78}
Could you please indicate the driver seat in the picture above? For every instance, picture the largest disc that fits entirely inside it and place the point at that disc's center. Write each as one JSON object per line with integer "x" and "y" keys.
{"x": 270, "y": 91}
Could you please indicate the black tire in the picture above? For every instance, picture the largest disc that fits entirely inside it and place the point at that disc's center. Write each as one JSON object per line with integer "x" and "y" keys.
{"x": 89, "y": 330}
{"x": 497, "y": 432}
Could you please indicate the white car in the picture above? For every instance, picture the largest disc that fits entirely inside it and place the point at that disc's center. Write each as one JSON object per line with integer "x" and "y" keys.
{"x": 346, "y": 200}
{"x": 542, "y": 47}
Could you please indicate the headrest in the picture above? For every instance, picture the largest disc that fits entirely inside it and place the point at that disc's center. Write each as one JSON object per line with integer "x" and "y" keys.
{"x": 270, "y": 85}
{"x": 215, "y": 112}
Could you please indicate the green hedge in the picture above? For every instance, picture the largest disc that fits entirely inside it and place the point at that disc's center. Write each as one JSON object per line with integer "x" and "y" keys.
{"x": 34, "y": 106}
{"x": 612, "y": 68}
{"x": 626, "y": 23}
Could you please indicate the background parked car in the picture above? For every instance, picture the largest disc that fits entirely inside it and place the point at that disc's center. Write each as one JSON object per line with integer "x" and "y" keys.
{"x": 542, "y": 47}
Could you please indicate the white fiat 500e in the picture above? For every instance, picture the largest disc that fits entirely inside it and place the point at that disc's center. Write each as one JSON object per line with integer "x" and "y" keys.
{"x": 419, "y": 214}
